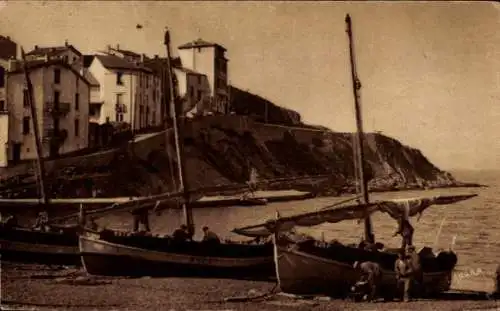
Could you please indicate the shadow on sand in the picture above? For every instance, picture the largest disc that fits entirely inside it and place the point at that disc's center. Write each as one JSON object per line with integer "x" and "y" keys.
{"x": 12, "y": 304}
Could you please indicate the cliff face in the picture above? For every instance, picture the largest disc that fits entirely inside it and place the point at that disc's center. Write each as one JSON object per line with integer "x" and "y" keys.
{"x": 223, "y": 150}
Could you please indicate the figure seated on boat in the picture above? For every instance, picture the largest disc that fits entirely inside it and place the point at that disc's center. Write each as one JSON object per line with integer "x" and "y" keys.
{"x": 181, "y": 234}
{"x": 9, "y": 222}
{"x": 209, "y": 236}
{"x": 141, "y": 216}
{"x": 42, "y": 222}
{"x": 371, "y": 277}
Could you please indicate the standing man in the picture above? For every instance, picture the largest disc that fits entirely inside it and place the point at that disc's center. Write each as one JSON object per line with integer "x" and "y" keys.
{"x": 403, "y": 275}
{"x": 414, "y": 261}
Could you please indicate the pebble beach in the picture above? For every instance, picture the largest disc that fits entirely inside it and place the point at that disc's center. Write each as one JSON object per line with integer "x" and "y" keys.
{"x": 34, "y": 287}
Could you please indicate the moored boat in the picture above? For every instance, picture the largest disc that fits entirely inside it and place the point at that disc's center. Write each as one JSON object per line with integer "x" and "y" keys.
{"x": 107, "y": 253}
{"x": 314, "y": 267}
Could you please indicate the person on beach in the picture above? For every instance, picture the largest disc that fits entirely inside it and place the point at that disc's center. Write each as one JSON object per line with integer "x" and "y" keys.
{"x": 181, "y": 234}
{"x": 371, "y": 276}
{"x": 403, "y": 275}
{"x": 209, "y": 236}
{"x": 414, "y": 261}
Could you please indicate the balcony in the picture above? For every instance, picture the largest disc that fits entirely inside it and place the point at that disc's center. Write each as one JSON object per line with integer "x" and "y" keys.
{"x": 57, "y": 109}
{"x": 51, "y": 135}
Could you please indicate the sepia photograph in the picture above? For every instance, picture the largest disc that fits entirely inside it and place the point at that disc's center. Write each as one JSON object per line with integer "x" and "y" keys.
{"x": 249, "y": 155}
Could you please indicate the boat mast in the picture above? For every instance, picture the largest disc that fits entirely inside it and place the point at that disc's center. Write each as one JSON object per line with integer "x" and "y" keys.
{"x": 179, "y": 141}
{"x": 356, "y": 85}
{"x": 40, "y": 168}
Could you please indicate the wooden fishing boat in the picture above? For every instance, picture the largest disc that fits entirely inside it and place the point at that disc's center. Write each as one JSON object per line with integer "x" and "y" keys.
{"x": 58, "y": 247}
{"x": 113, "y": 255}
{"x": 315, "y": 267}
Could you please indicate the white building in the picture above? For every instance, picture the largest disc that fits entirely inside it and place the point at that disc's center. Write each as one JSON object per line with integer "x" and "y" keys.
{"x": 8, "y": 50}
{"x": 194, "y": 90}
{"x": 123, "y": 91}
{"x": 61, "y": 96}
{"x": 209, "y": 59}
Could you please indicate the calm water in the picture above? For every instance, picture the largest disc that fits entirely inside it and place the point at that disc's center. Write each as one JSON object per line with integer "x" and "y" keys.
{"x": 473, "y": 225}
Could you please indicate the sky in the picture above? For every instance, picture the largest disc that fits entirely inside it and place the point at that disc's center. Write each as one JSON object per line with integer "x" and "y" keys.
{"x": 430, "y": 71}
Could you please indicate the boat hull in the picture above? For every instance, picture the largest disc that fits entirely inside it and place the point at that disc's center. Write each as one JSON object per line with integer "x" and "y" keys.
{"x": 27, "y": 246}
{"x": 101, "y": 257}
{"x": 305, "y": 274}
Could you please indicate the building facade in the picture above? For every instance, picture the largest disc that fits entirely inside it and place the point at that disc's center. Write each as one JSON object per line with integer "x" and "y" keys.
{"x": 127, "y": 91}
{"x": 209, "y": 59}
{"x": 8, "y": 51}
{"x": 194, "y": 91}
{"x": 61, "y": 96}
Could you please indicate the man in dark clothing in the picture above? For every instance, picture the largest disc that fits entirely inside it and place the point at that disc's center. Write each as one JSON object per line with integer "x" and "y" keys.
{"x": 414, "y": 261}
{"x": 403, "y": 275}
{"x": 209, "y": 236}
{"x": 371, "y": 275}
{"x": 141, "y": 216}
{"x": 181, "y": 234}
{"x": 42, "y": 222}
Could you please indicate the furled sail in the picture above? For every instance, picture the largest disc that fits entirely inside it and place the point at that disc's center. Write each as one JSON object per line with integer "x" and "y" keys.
{"x": 395, "y": 208}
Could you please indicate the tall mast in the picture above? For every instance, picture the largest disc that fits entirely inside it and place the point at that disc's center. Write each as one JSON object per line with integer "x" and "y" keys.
{"x": 356, "y": 85}
{"x": 34, "y": 118}
{"x": 179, "y": 141}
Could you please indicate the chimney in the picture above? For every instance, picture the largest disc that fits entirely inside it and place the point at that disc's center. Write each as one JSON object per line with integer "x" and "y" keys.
{"x": 66, "y": 42}
{"x": 143, "y": 57}
{"x": 36, "y": 47}
{"x": 156, "y": 56}
{"x": 8, "y": 37}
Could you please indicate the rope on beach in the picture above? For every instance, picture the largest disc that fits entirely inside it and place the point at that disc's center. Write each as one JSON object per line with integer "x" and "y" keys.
{"x": 269, "y": 294}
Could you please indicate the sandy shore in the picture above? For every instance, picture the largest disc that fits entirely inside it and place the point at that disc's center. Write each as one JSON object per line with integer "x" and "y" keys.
{"x": 31, "y": 287}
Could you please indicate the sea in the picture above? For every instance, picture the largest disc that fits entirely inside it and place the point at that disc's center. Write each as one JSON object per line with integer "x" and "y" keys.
{"x": 470, "y": 228}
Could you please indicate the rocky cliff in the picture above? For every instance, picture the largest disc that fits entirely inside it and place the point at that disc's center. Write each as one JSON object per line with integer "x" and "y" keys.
{"x": 222, "y": 150}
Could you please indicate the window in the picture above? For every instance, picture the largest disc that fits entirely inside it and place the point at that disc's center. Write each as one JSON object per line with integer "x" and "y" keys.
{"x": 57, "y": 76}
{"x": 77, "y": 101}
{"x": 191, "y": 91}
{"x": 26, "y": 125}
{"x": 26, "y": 102}
{"x": 56, "y": 99}
{"x": 199, "y": 94}
{"x": 119, "y": 80}
{"x": 119, "y": 99}
{"x": 2, "y": 76}
{"x": 199, "y": 79}
{"x": 77, "y": 127}
{"x": 2, "y": 105}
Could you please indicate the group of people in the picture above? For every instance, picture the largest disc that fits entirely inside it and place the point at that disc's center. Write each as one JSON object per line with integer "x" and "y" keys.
{"x": 408, "y": 275}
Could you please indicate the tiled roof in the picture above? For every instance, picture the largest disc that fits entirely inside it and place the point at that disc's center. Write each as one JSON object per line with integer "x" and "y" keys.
{"x": 200, "y": 43}
{"x": 90, "y": 77}
{"x": 186, "y": 70}
{"x": 115, "y": 62}
{"x": 126, "y": 52}
{"x": 157, "y": 63}
{"x": 52, "y": 51}
{"x": 35, "y": 64}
